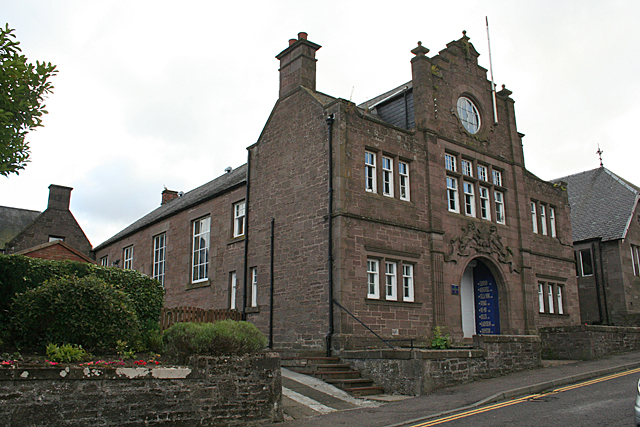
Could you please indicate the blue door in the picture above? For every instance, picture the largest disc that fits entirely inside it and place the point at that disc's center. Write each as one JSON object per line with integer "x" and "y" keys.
{"x": 485, "y": 292}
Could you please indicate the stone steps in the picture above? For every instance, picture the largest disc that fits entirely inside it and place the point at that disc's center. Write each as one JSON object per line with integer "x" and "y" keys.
{"x": 330, "y": 370}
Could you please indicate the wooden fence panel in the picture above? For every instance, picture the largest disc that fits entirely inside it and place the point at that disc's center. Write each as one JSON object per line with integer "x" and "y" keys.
{"x": 172, "y": 315}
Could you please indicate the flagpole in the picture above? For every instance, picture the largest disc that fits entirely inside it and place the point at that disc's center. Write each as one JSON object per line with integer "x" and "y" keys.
{"x": 493, "y": 85}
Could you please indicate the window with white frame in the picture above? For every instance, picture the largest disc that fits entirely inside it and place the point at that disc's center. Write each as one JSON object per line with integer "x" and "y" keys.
{"x": 403, "y": 172}
{"x": 373, "y": 279}
{"x": 387, "y": 176}
{"x": 390, "y": 280}
{"x": 498, "y": 198}
{"x": 56, "y": 239}
{"x": 635, "y": 259}
{"x": 585, "y": 263}
{"x": 233, "y": 290}
{"x": 497, "y": 178}
{"x": 485, "y": 212}
{"x": 482, "y": 173}
{"x": 254, "y": 286}
{"x": 469, "y": 199}
{"x": 450, "y": 162}
{"x": 560, "y": 303}
{"x": 104, "y": 261}
{"x": 541, "y": 298}
{"x": 407, "y": 282}
{"x": 550, "y": 297}
{"x": 200, "y": 256}
{"x": 467, "y": 168}
{"x": 159, "y": 253}
{"x": 370, "y": 171}
{"x": 534, "y": 217}
{"x": 238, "y": 219}
{"x": 128, "y": 257}
{"x": 543, "y": 220}
{"x": 452, "y": 194}
{"x": 468, "y": 114}
{"x": 552, "y": 221}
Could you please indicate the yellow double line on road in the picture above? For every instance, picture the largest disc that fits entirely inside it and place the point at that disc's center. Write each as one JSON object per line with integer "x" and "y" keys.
{"x": 521, "y": 399}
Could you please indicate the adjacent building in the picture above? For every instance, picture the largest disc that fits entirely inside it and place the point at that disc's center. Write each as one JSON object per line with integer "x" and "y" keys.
{"x": 606, "y": 237}
{"x": 410, "y": 211}
{"x": 38, "y": 235}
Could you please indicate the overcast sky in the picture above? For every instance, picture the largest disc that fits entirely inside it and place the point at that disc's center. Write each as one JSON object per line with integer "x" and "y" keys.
{"x": 169, "y": 93}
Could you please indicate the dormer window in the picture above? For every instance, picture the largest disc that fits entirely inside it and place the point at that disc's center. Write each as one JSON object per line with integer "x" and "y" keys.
{"x": 468, "y": 114}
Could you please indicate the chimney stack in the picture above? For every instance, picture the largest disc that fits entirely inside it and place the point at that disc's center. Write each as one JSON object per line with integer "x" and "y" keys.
{"x": 298, "y": 65}
{"x": 59, "y": 197}
{"x": 168, "y": 195}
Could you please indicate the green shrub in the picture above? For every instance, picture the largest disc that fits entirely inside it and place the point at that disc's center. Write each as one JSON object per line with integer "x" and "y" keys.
{"x": 226, "y": 337}
{"x": 19, "y": 274}
{"x": 439, "y": 341}
{"x": 67, "y": 353}
{"x": 86, "y": 311}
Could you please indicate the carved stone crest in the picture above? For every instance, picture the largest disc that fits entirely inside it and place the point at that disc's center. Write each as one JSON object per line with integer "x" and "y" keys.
{"x": 483, "y": 239}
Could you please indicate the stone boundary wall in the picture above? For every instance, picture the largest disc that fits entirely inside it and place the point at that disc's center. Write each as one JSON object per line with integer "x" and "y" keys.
{"x": 587, "y": 342}
{"x": 418, "y": 371}
{"x": 211, "y": 391}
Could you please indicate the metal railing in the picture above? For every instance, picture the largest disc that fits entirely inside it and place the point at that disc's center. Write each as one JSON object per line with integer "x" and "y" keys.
{"x": 368, "y": 328}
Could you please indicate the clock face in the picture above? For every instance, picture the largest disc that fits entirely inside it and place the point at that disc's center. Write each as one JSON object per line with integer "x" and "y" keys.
{"x": 468, "y": 114}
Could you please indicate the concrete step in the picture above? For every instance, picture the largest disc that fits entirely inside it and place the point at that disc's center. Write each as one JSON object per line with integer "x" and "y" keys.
{"x": 364, "y": 391}
{"x": 335, "y": 375}
{"x": 345, "y": 384}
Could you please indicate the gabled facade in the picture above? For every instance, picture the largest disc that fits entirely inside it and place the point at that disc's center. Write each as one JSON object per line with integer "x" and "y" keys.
{"x": 410, "y": 211}
{"x": 606, "y": 237}
{"x": 56, "y": 223}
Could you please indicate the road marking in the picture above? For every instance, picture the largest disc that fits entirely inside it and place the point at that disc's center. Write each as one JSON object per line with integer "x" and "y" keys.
{"x": 522, "y": 399}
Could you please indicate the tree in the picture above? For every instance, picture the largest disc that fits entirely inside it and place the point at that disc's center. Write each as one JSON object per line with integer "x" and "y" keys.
{"x": 23, "y": 88}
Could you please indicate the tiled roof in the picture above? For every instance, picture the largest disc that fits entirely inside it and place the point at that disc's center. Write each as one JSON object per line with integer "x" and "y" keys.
{"x": 193, "y": 197}
{"x": 13, "y": 221}
{"x": 602, "y": 204}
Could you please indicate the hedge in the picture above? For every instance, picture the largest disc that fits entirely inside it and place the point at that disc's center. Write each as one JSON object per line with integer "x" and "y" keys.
{"x": 85, "y": 311}
{"x": 19, "y": 274}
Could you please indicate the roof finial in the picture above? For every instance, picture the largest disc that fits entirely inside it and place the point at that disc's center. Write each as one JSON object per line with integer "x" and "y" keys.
{"x": 464, "y": 33}
{"x": 599, "y": 153}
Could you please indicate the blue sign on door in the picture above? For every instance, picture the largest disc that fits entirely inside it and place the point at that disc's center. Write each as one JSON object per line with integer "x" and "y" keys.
{"x": 485, "y": 292}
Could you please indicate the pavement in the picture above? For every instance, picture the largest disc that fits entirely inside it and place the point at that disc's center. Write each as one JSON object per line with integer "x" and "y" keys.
{"x": 310, "y": 402}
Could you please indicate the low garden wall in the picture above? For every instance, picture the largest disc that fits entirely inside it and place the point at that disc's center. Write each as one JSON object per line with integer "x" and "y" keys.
{"x": 418, "y": 371}
{"x": 587, "y": 342}
{"x": 220, "y": 391}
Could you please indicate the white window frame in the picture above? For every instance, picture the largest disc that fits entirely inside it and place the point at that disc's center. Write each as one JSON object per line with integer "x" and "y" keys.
{"x": 159, "y": 256}
{"x": 390, "y": 281}
{"x": 534, "y": 217}
{"x": 560, "y": 304}
{"x": 104, "y": 261}
{"x": 127, "y": 256}
{"x": 403, "y": 173}
{"x": 468, "y": 114}
{"x": 635, "y": 259}
{"x": 482, "y": 173}
{"x": 550, "y": 297}
{"x": 233, "y": 290}
{"x": 407, "y": 283}
{"x": 373, "y": 278}
{"x": 552, "y": 221}
{"x": 485, "y": 205}
{"x": 543, "y": 220}
{"x": 467, "y": 167}
{"x": 498, "y": 198}
{"x": 387, "y": 176}
{"x": 370, "y": 171}
{"x": 497, "y": 177}
{"x": 450, "y": 162}
{"x": 201, "y": 236}
{"x": 254, "y": 286}
{"x": 453, "y": 203}
{"x": 239, "y": 215}
{"x": 581, "y": 253}
{"x": 469, "y": 199}
{"x": 541, "y": 308}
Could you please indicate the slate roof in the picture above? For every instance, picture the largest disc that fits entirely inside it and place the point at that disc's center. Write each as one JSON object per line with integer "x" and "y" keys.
{"x": 602, "y": 204}
{"x": 13, "y": 221}
{"x": 189, "y": 199}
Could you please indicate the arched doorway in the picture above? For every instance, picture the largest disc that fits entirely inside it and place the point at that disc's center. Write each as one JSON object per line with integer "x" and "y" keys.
{"x": 479, "y": 302}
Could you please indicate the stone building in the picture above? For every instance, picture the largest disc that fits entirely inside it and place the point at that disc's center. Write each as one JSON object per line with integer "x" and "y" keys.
{"x": 410, "y": 211}
{"x": 35, "y": 234}
{"x": 606, "y": 235}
